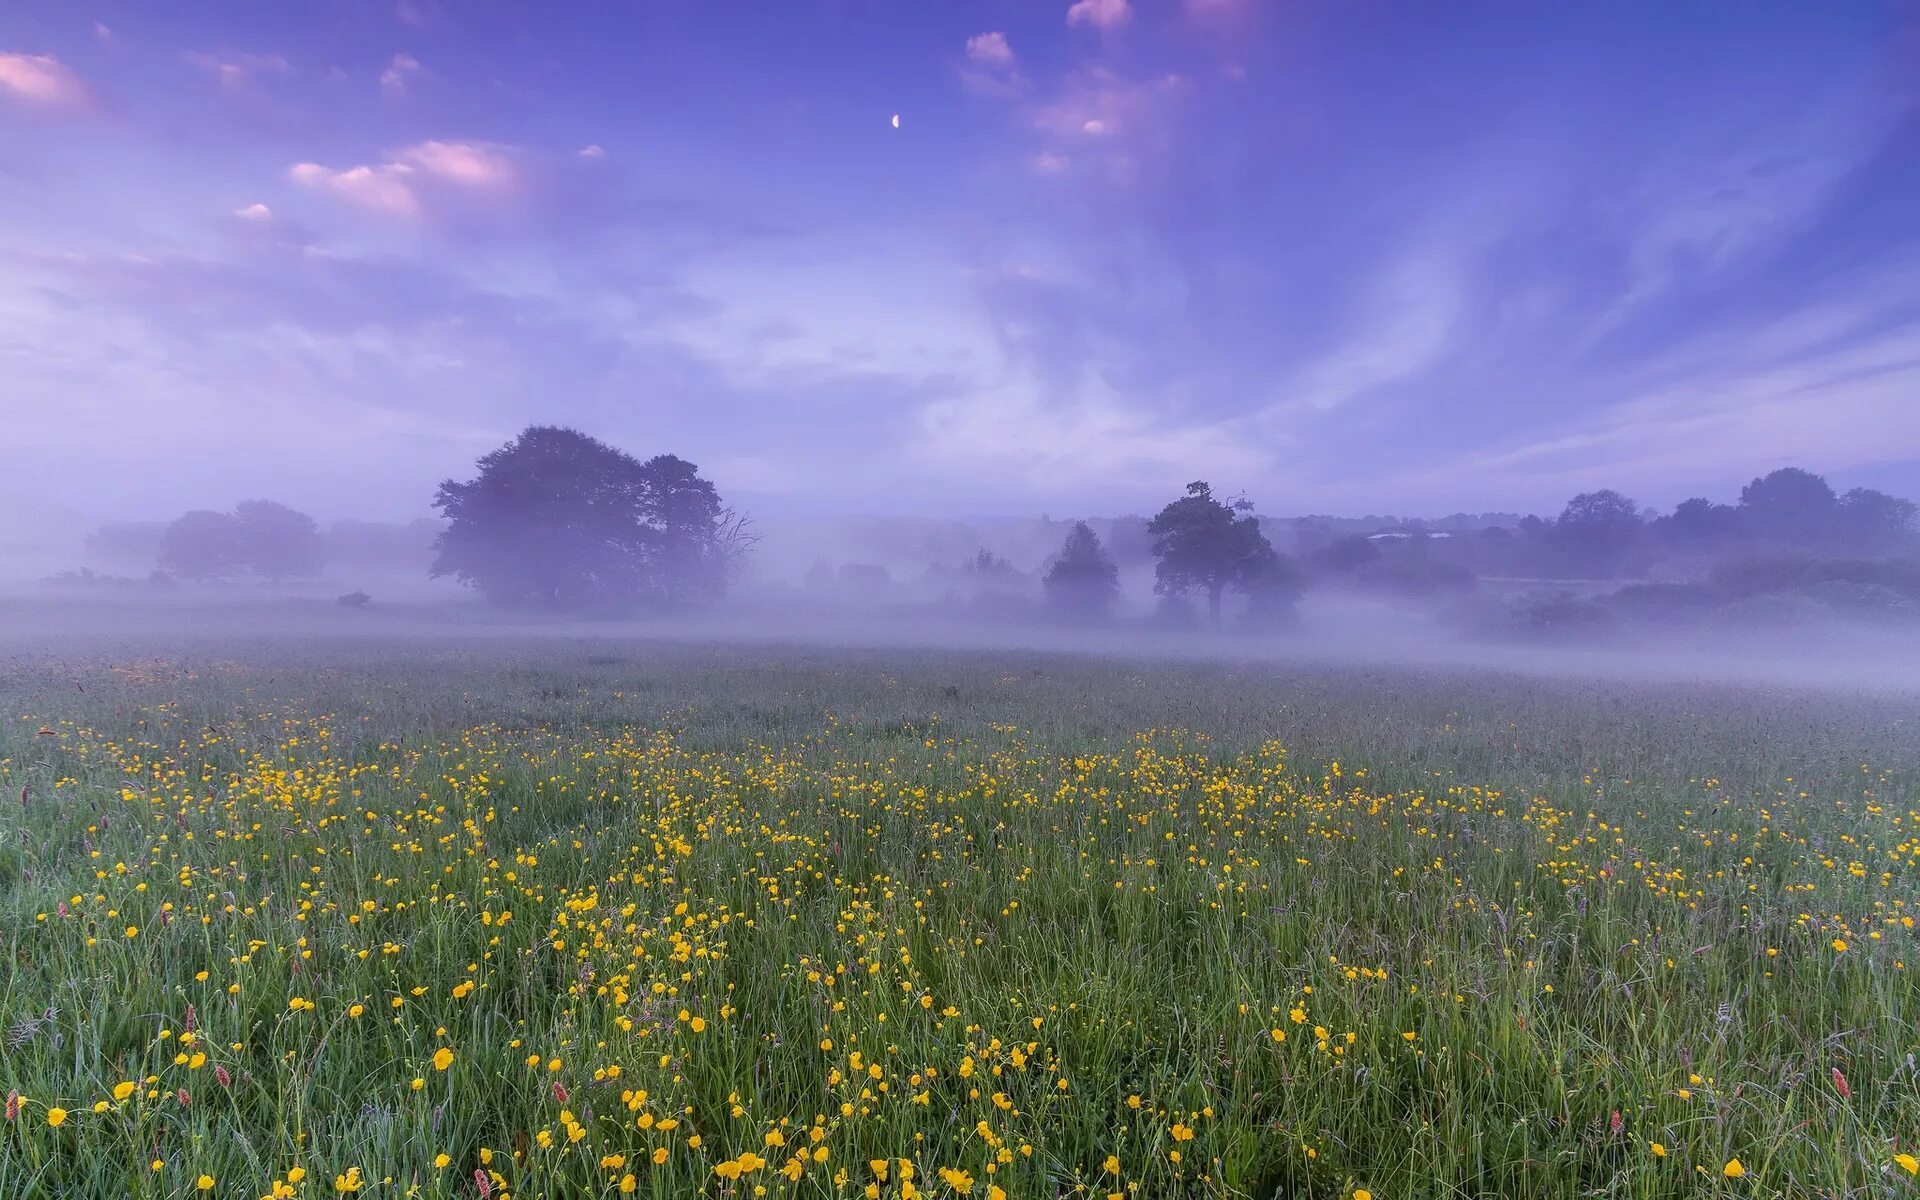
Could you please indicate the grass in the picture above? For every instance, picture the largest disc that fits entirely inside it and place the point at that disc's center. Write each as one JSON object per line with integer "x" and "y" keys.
{"x": 569, "y": 918}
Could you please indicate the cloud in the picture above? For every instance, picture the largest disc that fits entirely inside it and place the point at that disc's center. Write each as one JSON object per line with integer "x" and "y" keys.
{"x": 990, "y": 49}
{"x": 42, "y": 79}
{"x": 393, "y": 187}
{"x": 254, "y": 212}
{"x": 1106, "y": 15}
{"x": 469, "y": 164}
{"x": 403, "y": 68}
{"x": 990, "y": 67}
{"x": 239, "y": 70}
{"x": 385, "y": 188}
{"x": 593, "y": 151}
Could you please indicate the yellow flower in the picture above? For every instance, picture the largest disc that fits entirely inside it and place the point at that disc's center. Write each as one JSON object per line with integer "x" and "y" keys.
{"x": 442, "y": 1058}
{"x": 1362, "y": 1194}
{"x": 1733, "y": 1169}
{"x": 204, "y": 1183}
{"x": 1907, "y": 1163}
{"x": 1659, "y": 1151}
{"x": 123, "y": 1089}
{"x": 1839, "y": 945}
{"x": 56, "y": 1117}
{"x": 441, "y": 1160}
{"x": 1112, "y": 1165}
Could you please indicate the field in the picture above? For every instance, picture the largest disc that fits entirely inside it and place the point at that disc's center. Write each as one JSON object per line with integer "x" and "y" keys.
{"x": 565, "y": 918}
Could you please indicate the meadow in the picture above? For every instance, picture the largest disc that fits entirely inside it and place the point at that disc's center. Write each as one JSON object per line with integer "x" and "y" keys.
{"x": 567, "y": 918}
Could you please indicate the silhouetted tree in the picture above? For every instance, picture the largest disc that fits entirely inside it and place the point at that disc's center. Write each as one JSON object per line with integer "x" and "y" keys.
{"x": 1699, "y": 520}
{"x": 1596, "y": 529}
{"x": 1207, "y": 545}
{"x": 1874, "y": 522}
{"x": 275, "y": 541}
{"x": 1083, "y": 579}
{"x": 1789, "y": 505}
{"x": 202, "y": 545}
{"x": 557, "y": 519}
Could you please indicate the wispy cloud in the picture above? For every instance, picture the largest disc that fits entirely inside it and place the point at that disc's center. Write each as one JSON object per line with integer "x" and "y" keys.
{"x": 400, "y": 72}
{"x": 43, "y": 80}
{"x": 239, "y": 70}
{"x": 1106, "y": 15}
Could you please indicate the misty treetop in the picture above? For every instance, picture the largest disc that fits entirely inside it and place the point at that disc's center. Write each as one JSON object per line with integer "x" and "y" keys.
{"x": 259, "y": 537}
{"x": 559, "y": 520}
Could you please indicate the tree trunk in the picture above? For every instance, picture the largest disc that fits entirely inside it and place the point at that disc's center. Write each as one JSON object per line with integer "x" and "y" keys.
{"x": 1213, "y": 604}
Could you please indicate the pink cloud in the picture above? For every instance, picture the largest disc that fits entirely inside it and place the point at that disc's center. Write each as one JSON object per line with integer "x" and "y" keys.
{"x": 1106, "y": 15}
{"x": 990, "y": 49}
{"x": 385, "y": 188}
{"x": 394, "y": 186}
{"x": 469, "y": 164}
{"x": 42, "y": 79}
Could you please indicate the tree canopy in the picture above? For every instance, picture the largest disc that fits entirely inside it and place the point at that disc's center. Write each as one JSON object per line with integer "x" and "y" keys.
{"x": 1205, "y": 545}
{"x": 557, "y": 519}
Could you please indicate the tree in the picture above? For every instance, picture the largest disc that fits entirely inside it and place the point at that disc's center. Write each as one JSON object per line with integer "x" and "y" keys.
{"x": 201, "y": 545}
{"x": 1789, "y": 504}
{"x": 276, "y": 541}
{"x": 1207, "y": 545}
{"x": 1083, "y": 580}
{"x": 1874, "y": 522}
{"x": 1700, "y": 520}
{"x": 1597, "y": 529}
{"x": 556, "y": 519}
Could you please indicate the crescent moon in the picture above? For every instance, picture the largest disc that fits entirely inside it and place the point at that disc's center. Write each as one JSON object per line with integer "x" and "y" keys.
{"x": 896, "y": 120}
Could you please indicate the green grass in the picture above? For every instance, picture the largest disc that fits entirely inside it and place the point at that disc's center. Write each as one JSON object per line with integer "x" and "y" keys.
{"x": 1061, "y": 905}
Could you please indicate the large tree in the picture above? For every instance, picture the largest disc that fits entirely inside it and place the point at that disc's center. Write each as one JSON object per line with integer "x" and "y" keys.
{"x": 1082, "y": 581}
{"x": 1206, "y": 545}
{"x": 557, "y": 519}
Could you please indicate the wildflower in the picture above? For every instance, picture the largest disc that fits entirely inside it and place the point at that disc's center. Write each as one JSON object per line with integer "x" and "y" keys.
{"x": 1839, "y": 945}
{"x": 204, "y": 1183}
{"x": 1659, "y": 1151}
{"x": 56, "y": 1117}
{"x": 442, "y": 1058}
{"x": 1734, "y": 1169}
{"x": 1907, "y": 1163}
{"x": 123, "y": 1089}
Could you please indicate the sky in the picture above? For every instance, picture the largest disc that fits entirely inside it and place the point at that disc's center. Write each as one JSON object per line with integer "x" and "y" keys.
{"x": 1341, "y": 258}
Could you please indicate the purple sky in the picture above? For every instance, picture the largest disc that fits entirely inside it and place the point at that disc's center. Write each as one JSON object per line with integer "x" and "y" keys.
{"x": 1342, "y": 257}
